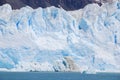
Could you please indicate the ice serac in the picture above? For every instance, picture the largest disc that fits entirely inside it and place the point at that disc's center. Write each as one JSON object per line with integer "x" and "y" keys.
{"x": 53, "y": 39}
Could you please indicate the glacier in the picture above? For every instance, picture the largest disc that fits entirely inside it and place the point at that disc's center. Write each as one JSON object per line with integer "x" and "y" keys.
{"x": 52, "y": 39}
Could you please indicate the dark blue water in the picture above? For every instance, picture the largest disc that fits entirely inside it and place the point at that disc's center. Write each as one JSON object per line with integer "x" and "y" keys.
{"x": 56, "y": 76}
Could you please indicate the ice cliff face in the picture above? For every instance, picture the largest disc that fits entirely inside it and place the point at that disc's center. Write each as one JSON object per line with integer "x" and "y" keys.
{"x": 53, "y": 39}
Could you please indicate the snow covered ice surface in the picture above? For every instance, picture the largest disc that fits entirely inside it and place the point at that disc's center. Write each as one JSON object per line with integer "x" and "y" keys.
{"x": 53, "y": 39}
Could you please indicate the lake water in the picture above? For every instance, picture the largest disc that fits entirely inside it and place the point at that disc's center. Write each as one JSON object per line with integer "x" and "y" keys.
{"x": 56, "y": 76}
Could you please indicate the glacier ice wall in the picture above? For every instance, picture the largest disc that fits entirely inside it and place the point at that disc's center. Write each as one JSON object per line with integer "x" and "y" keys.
{"x": 53, "y": 39}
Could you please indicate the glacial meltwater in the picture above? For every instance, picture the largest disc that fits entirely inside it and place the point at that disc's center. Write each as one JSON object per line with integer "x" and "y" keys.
{"x": 57, "y": 76}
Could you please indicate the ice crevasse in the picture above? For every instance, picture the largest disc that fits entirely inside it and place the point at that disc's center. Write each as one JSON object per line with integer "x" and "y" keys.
{"x": 52, "y": 39}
